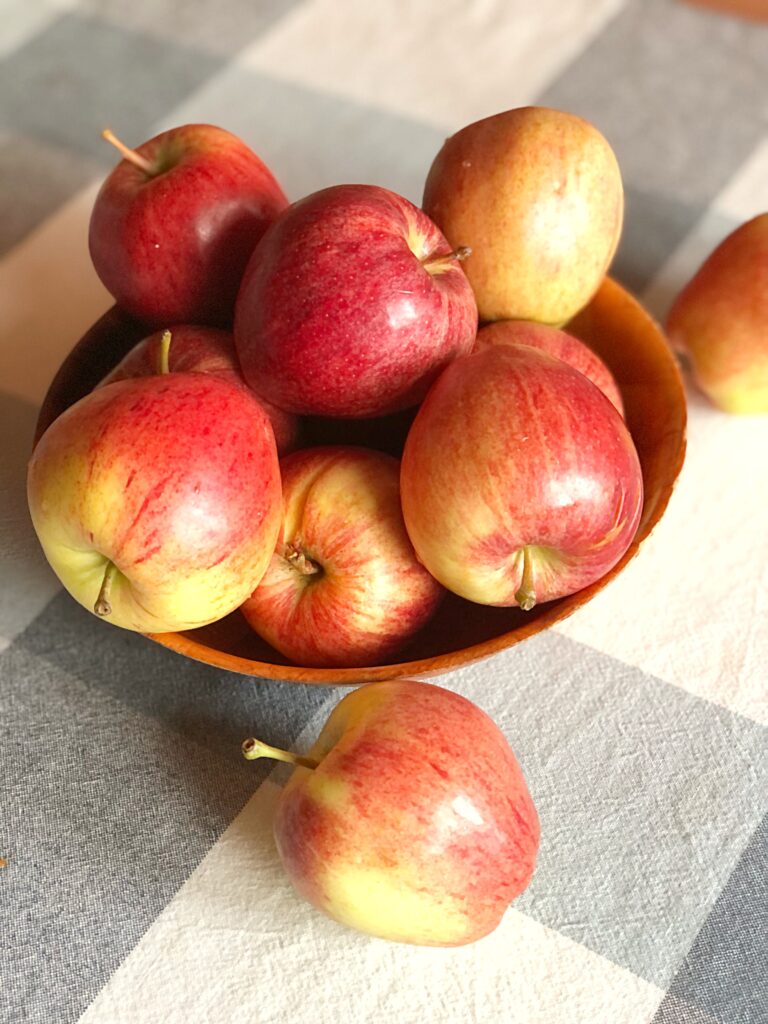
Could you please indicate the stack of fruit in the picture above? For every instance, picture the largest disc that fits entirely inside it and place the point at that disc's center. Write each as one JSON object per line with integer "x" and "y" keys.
{"x": 191, "y": 483}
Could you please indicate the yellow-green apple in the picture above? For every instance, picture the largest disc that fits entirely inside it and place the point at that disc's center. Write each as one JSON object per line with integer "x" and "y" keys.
{"x": 175, "y": 222}
{"x": 344, "y": 587}
{"x": 157, "y": 500}
{"x": 720, "y": 319}
{"x": 520, "y": 481}
{"x": 537, "y": 195}
{"x": 201, "y": 350}
{"x": 409, "y": 818}
{"x": 351, "y": 305}
{"x": 556, "y": 343}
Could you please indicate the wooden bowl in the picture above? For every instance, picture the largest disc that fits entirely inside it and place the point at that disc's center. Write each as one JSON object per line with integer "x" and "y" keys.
{"x": 615, "y": 326}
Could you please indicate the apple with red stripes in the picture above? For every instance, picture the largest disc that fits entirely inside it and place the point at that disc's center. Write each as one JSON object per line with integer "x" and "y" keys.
{"x": 344, "y": 587}
{"x": 409, "y": 818}
{"x": 351, "y": 305}
{"x": 196, "y": 349}
{"x": 520, "y": 482}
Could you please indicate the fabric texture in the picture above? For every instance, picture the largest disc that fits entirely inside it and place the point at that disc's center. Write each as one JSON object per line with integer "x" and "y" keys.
{"x": 141, "y": 882}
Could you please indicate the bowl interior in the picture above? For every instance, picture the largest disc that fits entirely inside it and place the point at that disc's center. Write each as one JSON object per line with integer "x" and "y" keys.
{"x": 614, "y": 325}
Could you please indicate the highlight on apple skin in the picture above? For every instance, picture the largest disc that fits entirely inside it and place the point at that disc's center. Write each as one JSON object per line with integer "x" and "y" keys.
{"x": 720, "y": 319}
{"x": 557, "y": 343}
{"x": 409, "y": 819}
{"x": 520, "y": 482}
{"x": 536, "y": 194}
{"x": 157, "y": 500}
{"x": 195, "y": 349}
{"x": 344, "y": 587}
{"x": 351, "y": 305}
{"x": 175, "y": 222}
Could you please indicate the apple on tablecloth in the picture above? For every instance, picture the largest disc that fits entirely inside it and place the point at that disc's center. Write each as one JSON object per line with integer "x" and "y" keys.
{"x": 409, "y": 818}
{"x": 720, "y": 319}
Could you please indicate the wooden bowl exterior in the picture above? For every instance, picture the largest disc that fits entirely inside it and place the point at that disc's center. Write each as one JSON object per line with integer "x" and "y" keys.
{"x": 615, "y": 326}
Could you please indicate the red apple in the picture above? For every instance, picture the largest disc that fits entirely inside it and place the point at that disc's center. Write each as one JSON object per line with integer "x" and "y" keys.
{"x": 351, "y": 305}
{"x": 201, "y": 350}
{"x": 520, "y": 481}
{"x": 410, "y": 818}
{"x": 556, "y": 343}
{"x": 175, "y": 223}
{"x": 157, "y": 500}
{"x": 720, "y": 319}
{"x": 344, "y": 587}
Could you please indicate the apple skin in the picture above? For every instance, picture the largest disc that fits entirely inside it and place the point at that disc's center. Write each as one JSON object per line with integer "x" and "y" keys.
{"x": 537, "y": 195}
{"x": 339, "y": 315}
{"x": 196, "y": 349}
{"x": 720, "y": 319}
{"x": 175, "y": 480}
{"x": 516, "y": 458}
{"x": 342, "y": 513}
{"x": 172, "y": 248}
{"x": 556, "y": 343}
{"x": 417, "y": 824}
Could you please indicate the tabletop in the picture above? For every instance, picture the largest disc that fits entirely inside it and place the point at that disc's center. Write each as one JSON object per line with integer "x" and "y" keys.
{"x": 139, "y": 878}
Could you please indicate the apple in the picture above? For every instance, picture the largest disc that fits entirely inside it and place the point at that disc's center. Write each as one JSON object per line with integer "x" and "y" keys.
{"x": 157, "y": 500}
{"x": 520, "y": 481}
{"x": 351, "y": 305}
{"x": 556, "y": 343}
{"x": 720, "y": 319}
{"x": 409, "y": 819}
{"x": 175, "y": 222}
{"x": 201, "y": 350}
{"x": 344, "y": 587}
{"x": 537, "y": 195}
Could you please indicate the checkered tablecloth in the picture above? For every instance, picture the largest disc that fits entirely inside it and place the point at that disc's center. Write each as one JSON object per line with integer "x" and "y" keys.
{"x": 141, "y": 884}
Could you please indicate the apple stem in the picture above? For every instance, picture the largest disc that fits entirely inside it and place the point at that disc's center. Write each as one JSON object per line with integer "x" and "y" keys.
{"x": 301, "y": 562}
{"x": 162, "y": 357}
{"x": 102, "y": 606}
{"x": 129, "y": 154}
{"x": 254, "y": 749}
{"x": 459, "y": 253}
{"x": 526, "y": 594}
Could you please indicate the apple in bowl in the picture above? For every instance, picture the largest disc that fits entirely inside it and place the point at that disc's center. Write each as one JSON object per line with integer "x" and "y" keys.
{"x": 175, "y": 222}
{"x": 195, "y": 349}
{"x": 520, "y": 481}
{"x": 344, "y": 586}
{"x": 555, "y": 343}
{"x": 157, "y": 499}
{"x": 536, "y": 194}
{"x": 351, "y": 305}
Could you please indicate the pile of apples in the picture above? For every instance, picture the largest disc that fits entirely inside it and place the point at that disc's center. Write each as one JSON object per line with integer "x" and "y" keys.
{"x": 190, "y": 482}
